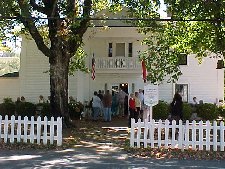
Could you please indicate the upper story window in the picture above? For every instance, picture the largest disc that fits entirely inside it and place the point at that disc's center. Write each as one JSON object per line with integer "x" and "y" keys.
{"x": 110, "y": 50}
{"x": 120, "y": 49}
{"x": 182, "y": 59}
{"x": 130, "y": 49}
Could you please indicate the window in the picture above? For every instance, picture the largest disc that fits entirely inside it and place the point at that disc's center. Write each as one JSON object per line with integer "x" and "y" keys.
{"x": 182, "y": 89}
{"x": 130, "y": 50}
{"x": 182, "y": 59}
{"x": 110, "y": 50}
{"x": 120, "y": 49}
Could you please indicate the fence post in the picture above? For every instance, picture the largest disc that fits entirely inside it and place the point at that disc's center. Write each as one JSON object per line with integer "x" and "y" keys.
{"x": 145, "y": 132}
{"x": 45, "y": 123}
{"x": 52, "y": 125}
{"x": 208, "y": 128}
{"x": 221, "y": 136}
{"x": 214, "y": 136}
{"x": 159, "y": 133}
{"x": 59, "y": 131}
{"x": 201, "y": 135}
{"x": 19, "y": 129}
{"x": 186, "y": 135}
{"x": 167, "y": 126}
{"x": 12, "y": 129}
{"x": 6, "y": 129}
{"x": 38, "y": 130}
{"x": 32, "y": 130}
{"x": 180, "y": 136}
{"x": 132, "y": 132}
{"x": 193, "y": 139}
{"x": 25, "y": 129}
{"x": 152, "y": 132}
{"x": 173, "y": 141}
{"x": 138, "y": 133}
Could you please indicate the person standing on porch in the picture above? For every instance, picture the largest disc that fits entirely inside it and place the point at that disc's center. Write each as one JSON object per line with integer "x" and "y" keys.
{"x": 121, "y": 98}
{"x": 107, "y": 103}
{"x": 96, "y": 105}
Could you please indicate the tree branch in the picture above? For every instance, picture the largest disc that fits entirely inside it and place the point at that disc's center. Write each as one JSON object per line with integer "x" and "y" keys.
{"x": 37, "y": 7}
{"x": 29, "y": 23}
{"x": 84, "y": 23}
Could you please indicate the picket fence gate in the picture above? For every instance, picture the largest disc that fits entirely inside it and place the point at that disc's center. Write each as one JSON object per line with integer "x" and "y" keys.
{"x": 33, "y": 131}
{"x": 190, "y": 135}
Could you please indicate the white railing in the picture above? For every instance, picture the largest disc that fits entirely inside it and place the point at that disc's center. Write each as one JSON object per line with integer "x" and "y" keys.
{"x": 117, "y": 63}
{"x": 32, "y": 131}
{"x": 201, "y": 136}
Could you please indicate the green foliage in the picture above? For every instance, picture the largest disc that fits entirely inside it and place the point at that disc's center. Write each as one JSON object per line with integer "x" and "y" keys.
{"x": 75, "y": 110}
{"x": 43, "y": 109}
{"x": 26, "y": 109}
{"x": 187, "y": 111}
{"x": 207, "y": 111}
{"x": 221, "y": 111}
{"x": 77, "y": 62}
{"x": 7, "y": 107}
{"x": 206, "y": 34}
{"x": 161, "y": 111}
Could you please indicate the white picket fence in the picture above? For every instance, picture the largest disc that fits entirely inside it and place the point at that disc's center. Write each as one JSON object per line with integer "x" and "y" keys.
{"x": 197, "y": 136}
{"x": 32, "y": 131}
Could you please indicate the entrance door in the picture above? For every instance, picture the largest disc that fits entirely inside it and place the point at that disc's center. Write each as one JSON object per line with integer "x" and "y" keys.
{"x": 124, "y": 87}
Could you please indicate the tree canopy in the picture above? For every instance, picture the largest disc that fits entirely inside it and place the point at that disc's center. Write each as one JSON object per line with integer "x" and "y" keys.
{"x": 65, "y": 21}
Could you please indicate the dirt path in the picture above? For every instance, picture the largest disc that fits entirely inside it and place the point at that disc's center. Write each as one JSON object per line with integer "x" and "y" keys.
{"x": 93, "y": 134}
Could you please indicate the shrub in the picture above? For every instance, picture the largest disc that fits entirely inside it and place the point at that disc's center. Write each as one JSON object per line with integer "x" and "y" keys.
{"x": 75, "y": 110}
{"x": 44, "y": 109}
{"x": 7, "y": 107}
{"x": 26, "y": 109}
{"x": 207, "y": 111}
{"x": 161, "y": 111}
{"x": 187, "y": 111}
{"x": 221, "y": 111}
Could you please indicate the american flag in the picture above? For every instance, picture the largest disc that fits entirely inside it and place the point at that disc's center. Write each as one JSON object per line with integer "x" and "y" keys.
{"x": 93, "y": 68}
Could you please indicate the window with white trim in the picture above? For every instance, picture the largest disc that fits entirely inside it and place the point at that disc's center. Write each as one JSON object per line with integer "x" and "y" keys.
{"x": 182, "y": 89}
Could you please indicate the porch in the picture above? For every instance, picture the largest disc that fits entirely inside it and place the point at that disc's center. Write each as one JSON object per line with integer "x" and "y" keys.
{"x": 117, "y": 63}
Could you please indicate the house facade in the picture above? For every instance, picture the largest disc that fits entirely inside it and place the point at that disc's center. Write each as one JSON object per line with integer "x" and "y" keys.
{"x": 116, "y": 65}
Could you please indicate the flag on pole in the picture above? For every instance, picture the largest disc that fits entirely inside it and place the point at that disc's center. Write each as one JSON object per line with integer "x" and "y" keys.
{"x": 144, "y": 71}
{"x": 93, "y": 67}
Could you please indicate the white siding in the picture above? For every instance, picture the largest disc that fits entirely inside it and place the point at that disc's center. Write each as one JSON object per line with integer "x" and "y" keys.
{"x": 9, "y": 87}
{"x": 204, "y": 81}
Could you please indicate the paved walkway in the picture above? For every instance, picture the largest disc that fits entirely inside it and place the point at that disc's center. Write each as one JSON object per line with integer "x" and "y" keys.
{"x": 94, "y": 155}
{"x": 107, "y": 158}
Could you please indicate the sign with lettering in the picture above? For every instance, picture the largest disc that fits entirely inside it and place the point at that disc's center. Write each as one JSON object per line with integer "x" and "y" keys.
{"x": 151, "y": 95}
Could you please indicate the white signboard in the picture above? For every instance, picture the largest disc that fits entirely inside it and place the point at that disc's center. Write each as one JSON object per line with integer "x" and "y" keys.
{"x": 151, "y": 95}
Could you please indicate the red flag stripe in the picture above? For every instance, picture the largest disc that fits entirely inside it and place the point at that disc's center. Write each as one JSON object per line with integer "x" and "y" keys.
{"x": 93, "y": 69}
{"x": 144, "y": 71}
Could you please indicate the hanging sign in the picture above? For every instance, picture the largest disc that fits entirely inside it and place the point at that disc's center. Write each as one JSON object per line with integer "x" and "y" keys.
{"x": 151, "y": 95}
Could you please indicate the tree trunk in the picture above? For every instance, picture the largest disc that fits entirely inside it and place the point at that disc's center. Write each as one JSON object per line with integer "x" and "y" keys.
{"x": 59, "y": 67}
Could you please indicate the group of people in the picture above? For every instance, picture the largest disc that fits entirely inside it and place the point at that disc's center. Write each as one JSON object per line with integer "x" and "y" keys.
{"x": 136, "y": 106}
{"x": 101, "y": 104}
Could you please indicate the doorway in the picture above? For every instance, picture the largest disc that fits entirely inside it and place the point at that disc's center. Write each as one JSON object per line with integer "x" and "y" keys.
{"x": 124, "y": 87}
